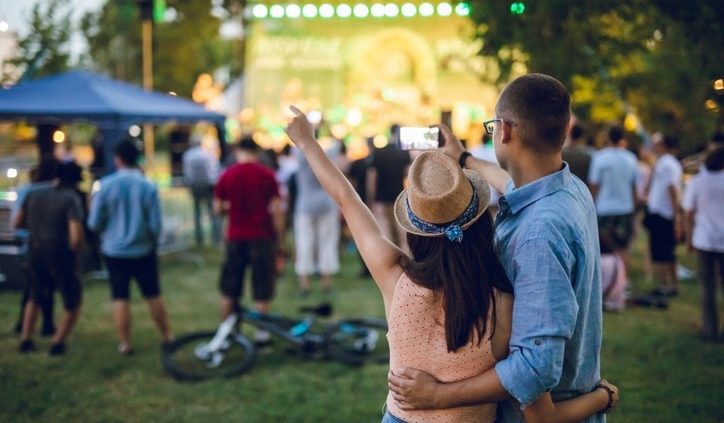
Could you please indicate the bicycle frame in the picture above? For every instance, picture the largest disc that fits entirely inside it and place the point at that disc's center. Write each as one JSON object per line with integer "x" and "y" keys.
{"x": 227, "y": 351}
{"x": 297, "y": 332}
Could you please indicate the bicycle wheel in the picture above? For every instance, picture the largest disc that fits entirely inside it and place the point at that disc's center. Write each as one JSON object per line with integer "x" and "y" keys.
{"x": 358, "y": 341}
{"x": 188, "y": 358}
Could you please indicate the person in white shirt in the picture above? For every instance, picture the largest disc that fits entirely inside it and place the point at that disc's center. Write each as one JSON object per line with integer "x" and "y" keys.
{"x": 200, "y": 170}
{"x": 612, "y": 181}
{"x": 703, "y": 203}
{"x": 664, "y": 219}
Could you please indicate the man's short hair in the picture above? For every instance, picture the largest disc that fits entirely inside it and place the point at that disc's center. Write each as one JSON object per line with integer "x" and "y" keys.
{"x": 47, "y": 170}
{"x": 670, "y": 142}
{"x": 70, "y": 173}
{"x": 714, "y": 161}
{"x": 718, "y": 139}
{"x": 248, "y": 144}
{"x": 541, "y": 107}
{"x": 615, "y": 134}
{"x": 127, "y": 152}
{"x": 576, "y": 131}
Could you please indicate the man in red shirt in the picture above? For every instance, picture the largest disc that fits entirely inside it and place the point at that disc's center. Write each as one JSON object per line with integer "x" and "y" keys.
{"x": 248, "y": 194}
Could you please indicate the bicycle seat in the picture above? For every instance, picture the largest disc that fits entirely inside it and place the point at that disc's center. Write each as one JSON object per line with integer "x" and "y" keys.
{"x": 323, "y": 309}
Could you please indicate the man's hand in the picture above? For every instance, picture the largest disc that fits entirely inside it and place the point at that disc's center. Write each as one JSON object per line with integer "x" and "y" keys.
{"x": 614, "y": 397}
{"x": 452, "y": 146}
{"x": 299, "y": 130}
{"x": 679, "y": 232}
{"x": 413, "y": 389}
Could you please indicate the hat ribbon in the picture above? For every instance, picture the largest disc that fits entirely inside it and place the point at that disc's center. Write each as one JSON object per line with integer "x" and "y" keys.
{"x": 453, "y": 230}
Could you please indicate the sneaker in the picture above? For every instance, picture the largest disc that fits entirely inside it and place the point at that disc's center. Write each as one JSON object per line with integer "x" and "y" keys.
{"x": 262, "y": 338}
{"x": 57, "y": 349}
{"x": 125, "y": 350}
{"x": 661, "y": 303}
{"x": 665, "y": 292}
{"x": 27, "y": 346}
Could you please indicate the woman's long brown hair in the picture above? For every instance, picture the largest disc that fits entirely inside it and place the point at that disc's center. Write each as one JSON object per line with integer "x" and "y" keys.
{"x": 465, "y": 274}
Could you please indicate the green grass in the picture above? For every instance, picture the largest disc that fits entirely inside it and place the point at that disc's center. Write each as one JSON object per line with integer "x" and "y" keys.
{"x": 666, "y": 374}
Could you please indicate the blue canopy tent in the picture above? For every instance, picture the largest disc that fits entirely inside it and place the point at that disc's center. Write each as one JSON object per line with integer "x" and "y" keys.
{"x": 111, "y": 105}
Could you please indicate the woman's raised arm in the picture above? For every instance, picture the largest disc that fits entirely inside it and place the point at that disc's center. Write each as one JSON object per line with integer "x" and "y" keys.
{"x": 379, "y": 253}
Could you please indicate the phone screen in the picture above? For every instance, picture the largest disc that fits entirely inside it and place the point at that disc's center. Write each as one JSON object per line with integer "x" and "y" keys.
{"x": 419, "y": 137}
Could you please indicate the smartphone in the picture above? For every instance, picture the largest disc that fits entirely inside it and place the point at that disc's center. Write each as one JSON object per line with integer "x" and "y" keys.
{"x": 419, "y": 137}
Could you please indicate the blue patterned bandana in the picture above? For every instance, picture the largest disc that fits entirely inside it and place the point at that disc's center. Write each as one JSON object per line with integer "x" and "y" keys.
{"x": 453, "y": 230}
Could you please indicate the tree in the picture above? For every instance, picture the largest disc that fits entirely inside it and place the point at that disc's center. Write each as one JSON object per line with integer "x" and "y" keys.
{"x": 655, "y": 58}
{"x": 113, "y": 35}
{"x": 185, "y": 45}
{"x": 46, "y": 49}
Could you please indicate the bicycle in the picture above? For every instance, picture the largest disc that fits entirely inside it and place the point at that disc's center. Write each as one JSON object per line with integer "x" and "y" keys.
{"x": 228, "y": 352}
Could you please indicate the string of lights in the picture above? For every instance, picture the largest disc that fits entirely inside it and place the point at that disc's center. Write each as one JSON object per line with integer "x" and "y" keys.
{"x": 358, "y": 10}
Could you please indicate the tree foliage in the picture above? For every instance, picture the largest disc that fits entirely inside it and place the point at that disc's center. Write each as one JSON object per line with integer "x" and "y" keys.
{"x": 657, "y": 58}
{"x": 113, "y": 35}
{"x": 45, "y": 50}
{"x": 185, "y": 46}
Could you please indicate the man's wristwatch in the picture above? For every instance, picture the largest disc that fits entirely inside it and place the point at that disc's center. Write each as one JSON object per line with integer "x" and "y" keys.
{"x": 609, "y": 406}
{"x": 464, "y": 156}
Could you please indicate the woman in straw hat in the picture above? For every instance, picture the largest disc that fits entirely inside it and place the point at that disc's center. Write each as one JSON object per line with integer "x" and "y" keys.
{"x": 449, "y": 305}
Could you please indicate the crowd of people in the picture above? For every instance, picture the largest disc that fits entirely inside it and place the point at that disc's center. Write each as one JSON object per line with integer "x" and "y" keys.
{"x": 495, "y": 264}
{"x": 637, "y": 188}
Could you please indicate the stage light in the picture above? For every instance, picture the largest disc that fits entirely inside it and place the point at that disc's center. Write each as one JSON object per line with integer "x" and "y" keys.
{"x": 378, "y": 10}
{"x": 380, "y": 141}
{"x": 462, "y": 9}
{"x": 444, "y": 9}
{"x": 344, "y": 11}
{"x": 58, "y": 136}
{"x": 409, "y": 10}
{"x": 361, "y": 10}
{"x": 326, "y": 10}
{"x": 276, "y": 11}
{"x": 293, "y": 11}
{"x": 309, "y": 11}
{"x": 517, "y": 8}
{"x": 391, "y": 10}
{"x": 354, "y": 117}
{"x": 259, "y": 11}
{"x": 314, "y": 117}
{"x": 426, "y": 9}
{"x": 12, "y": 173}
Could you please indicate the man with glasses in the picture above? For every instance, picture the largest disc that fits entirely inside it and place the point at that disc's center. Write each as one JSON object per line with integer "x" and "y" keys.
{"x": 547, "y": 236}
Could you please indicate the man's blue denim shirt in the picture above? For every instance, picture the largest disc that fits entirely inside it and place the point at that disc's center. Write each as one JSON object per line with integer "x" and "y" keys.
{"x": 547, "y": 239}
{"x": 127, "y": 213}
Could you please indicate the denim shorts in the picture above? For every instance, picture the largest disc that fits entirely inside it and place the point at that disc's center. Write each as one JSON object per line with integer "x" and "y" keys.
{"x": 389, "y": 418}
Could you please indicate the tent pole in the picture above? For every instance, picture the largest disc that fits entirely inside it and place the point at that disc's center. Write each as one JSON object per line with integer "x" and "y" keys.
{"x": 148, "y": 141}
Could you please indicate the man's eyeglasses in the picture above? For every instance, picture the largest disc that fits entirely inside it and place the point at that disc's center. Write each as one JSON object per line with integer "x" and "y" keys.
{"x": 490, "y": 125}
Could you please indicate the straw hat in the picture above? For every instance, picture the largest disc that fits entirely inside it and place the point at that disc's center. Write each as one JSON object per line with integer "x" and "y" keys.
{"x": 439, "y": 199}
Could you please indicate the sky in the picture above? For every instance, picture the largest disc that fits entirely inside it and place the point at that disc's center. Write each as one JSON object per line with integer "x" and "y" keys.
{"x": 17, "y": 15}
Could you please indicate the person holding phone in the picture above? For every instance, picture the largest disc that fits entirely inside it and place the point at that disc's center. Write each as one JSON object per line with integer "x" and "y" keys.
{"x": 546, "y": 236}
{"x": 385, "y": 180}
{"x": 448, "y": 304}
